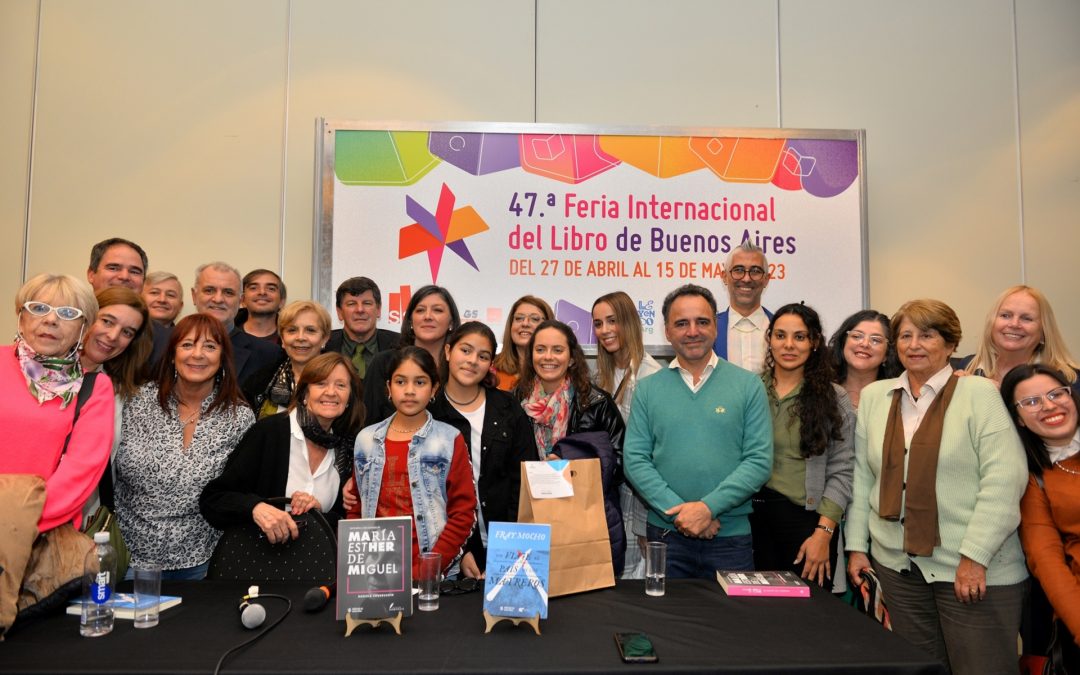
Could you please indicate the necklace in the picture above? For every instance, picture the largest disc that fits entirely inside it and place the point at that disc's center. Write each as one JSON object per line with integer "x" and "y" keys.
{"x": 408, "y": 431}
{"x": 1061, "y": 466}
{"x": 190, "y": 419}
{"x": 458, "y": 403}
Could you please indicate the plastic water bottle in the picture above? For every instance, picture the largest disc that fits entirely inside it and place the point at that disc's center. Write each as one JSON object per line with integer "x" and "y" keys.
{"x": 99, "y": 583}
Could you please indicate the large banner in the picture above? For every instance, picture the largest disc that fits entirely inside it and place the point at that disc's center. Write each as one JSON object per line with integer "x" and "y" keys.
{"x": 568, "y": 213}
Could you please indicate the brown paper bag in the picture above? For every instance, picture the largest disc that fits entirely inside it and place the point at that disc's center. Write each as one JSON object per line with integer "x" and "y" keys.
{"x": 580, "y": 549}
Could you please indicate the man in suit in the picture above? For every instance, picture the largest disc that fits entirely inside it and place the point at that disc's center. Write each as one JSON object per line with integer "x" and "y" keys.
{"x": 121, "y": 262}
{"x": 359, "y": 305}
{"x": 217, "y": 292}
{"x": 740, "y": 335}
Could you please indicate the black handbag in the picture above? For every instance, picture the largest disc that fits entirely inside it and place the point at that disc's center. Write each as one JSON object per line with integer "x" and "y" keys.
{"x": 244, "y": 553}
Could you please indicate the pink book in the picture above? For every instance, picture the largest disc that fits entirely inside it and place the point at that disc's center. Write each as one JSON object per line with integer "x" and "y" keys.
{"x": 763, "y": 584}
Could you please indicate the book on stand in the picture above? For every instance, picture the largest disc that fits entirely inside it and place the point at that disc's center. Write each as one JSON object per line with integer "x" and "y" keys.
{"x": 516, "y": 578}
{"x": 124, "y": 605}
{"x": 374, "y": 579}
{"x": 763, "y": 584}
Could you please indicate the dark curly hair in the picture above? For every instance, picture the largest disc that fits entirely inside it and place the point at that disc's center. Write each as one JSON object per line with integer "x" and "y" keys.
{"x": 578, "y": 372}
{"x": 817, "y": 406}
{"x": 890, "y": 367}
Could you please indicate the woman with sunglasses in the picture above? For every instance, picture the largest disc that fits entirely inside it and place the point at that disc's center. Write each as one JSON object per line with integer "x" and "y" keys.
{"x": 41, "y": 379}
{"x": 1044, "y": 409}
{"x": 526, "y": 314}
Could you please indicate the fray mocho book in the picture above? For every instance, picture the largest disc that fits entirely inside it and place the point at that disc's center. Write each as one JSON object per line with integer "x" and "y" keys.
{"x": 374, "y": 568}
{"x": 763, "y": 584}
{"x": 518, "y": 558}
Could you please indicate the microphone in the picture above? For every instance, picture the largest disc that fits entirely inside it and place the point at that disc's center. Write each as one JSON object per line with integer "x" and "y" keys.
{"x": 316, "y": 598}
{"x": 252, "y": 614}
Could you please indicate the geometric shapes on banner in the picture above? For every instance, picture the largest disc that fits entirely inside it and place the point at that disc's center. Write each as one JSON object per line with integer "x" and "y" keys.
{"x": 739, "y": 160}
{"x": 433, "y": 233}
{"x": 566, "y": 157}
{"x": 661, "y": 156}
{"x": 790, "y": 171}
{"x": 382, "y": 157}
{"x": 835, "y": 165}
{"x": 578, "y": 319}
{"x": 476, "y": 153}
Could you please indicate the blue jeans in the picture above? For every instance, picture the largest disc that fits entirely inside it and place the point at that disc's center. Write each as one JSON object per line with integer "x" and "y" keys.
{"x": 690, "y": 558}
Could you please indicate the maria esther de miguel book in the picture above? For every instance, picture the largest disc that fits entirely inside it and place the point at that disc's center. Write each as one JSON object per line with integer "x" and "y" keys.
{"x": 516, "y": 580}
{"x": 764, "y": 584}
{"x": 374, "y": 568}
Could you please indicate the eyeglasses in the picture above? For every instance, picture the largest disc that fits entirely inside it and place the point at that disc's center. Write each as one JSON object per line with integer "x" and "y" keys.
{"x": 528, "y": 318}
{"x": 459, "y": 586}
{"x": 1036, "y": 403}
{"x": 858, "y": 336}
{"x": 43, "y": 308}
{"x": 755, "y": 272}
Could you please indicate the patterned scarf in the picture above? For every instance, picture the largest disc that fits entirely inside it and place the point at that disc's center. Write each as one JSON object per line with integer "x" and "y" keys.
{"x": 282, "y": 386}
{"x": 550, "y": 414}
{"x": 49, "y": 377}
{"x": 313, "y": 431}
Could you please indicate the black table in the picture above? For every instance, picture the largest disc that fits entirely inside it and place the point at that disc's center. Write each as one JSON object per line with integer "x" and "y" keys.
{"x": 695, "y": 628}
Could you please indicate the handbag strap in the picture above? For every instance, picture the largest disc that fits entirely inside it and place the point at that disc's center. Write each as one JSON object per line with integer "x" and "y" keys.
{"x": 85, "y": 391}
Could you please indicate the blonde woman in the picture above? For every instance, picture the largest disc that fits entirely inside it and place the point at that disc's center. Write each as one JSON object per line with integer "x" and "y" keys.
{"x": 1020, "y": 328}
{"x": 304, "y": 327}
{"x": 621, "y": 362}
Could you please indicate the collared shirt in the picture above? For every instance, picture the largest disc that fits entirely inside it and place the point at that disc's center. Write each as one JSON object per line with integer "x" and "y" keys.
{"x": 688, "y": 377}
{"x": 324, "y": 483}
{"x": 913, "y": 409}
{"x": 746, "y": 339}
{"x": 1057, "y": 454}
{"x": 371, "y": 348}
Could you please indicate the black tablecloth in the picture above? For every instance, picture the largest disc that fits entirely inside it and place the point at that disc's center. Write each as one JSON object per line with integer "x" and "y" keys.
{"x": 695, "y": 628}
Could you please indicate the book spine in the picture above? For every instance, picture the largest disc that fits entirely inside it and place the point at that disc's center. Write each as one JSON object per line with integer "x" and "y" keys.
{"x": 769, "y": 591}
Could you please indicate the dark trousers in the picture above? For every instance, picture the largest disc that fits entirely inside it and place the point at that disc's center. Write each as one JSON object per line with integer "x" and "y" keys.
{"x": 970, "y": 639}
{"x": 691, "y": 558}
{"x": 779, "y": 527}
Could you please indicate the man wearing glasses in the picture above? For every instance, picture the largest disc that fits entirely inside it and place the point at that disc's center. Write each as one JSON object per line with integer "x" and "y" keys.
{"x": 740, "y": 336}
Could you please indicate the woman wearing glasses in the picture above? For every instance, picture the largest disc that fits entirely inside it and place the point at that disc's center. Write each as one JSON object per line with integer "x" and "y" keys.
{"x": 1044, "y": 409}
{"x": 797, "y": 512}
{"x": 1020, "y": 328}
{"x": 526, "y": 314}
{"x": 939, "y": 471}
{"x": 861, "y": 352}
{"x": 41, "y": 379}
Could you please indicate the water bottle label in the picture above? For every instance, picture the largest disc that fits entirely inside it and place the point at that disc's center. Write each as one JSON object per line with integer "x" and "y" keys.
{"x": 100, "y": 592}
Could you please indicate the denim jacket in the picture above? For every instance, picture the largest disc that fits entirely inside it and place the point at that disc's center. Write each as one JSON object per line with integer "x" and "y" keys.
{"x": 430, "y": 453}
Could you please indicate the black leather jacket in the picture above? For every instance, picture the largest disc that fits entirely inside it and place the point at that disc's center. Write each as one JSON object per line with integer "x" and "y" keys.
{"x": 600, "y": 413}
{"x": 506, "y": 440}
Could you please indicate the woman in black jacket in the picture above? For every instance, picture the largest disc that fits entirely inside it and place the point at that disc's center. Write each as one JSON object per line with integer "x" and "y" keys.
{"x": 557, "y": 393}
{"x": 494, "y": 427}
{"x": 305, "y": 454}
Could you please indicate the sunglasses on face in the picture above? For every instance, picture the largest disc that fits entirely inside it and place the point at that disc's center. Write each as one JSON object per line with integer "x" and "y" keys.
{"x": 43, "y": 308}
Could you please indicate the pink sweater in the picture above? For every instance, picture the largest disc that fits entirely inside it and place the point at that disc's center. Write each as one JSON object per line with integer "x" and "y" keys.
{"x": 33, "y": 437}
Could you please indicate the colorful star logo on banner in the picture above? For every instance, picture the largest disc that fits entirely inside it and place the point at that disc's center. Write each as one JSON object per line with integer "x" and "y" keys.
{"x": 433, "y": 233}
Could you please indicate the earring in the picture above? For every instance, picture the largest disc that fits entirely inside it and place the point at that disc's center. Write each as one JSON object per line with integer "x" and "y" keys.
{"x": 218, "y": 377}
{"x": 175, "y": 374}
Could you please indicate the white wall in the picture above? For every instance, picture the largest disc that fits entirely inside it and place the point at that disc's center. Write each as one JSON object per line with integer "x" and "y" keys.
{"x": 190, "y": 127}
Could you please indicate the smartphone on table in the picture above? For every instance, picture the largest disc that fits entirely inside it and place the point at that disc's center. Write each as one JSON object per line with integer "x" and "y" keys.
{"x": 636, "y": 648}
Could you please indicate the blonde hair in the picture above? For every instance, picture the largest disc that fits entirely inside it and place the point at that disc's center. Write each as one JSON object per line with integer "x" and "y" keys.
{"x": 507, "y": 360}
{"x": 1052, "y": 351}
{"x": 288, "y": 314}
{"x": 631, "y": 344}
{"x": 60, "y": 288}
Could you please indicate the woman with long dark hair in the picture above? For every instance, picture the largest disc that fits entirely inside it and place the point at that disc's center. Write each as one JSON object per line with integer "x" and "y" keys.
{"x": 525, "y": 315}
{"x": 495, "y": 428}
{"x": 431, "y": 315}
{"x": 798, "y": 510}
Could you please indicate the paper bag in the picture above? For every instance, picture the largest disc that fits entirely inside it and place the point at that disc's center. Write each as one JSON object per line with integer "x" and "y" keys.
{"x": 580, "y": 549}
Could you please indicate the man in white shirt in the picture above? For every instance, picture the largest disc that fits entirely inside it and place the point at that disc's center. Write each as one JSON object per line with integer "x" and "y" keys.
{"x": 740, "y": 335}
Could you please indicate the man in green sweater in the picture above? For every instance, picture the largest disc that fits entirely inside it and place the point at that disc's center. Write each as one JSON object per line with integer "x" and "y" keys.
{"x": 698, "y": 445}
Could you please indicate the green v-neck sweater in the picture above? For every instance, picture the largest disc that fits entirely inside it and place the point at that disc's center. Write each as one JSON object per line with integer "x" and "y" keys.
{"x": 714, "y": 446}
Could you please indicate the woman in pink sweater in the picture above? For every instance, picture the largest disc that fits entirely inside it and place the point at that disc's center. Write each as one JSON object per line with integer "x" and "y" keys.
{"x": 40, "y": 379}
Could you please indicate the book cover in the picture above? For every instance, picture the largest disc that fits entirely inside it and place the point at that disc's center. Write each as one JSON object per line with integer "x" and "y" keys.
{"x": 374, "y": 565}
{"x": 516, "y": 582}
{"x": 763, "y": 584}
{"x": 124, "y": 605}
